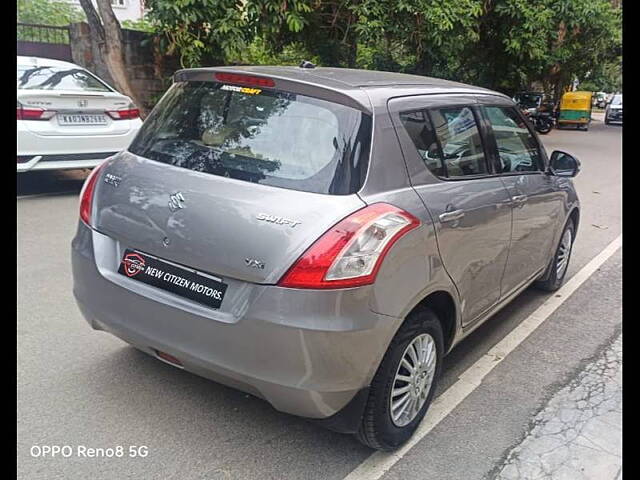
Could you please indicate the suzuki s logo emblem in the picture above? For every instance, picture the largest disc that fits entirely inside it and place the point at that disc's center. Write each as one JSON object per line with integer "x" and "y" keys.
{"x": 176, "y": 201}
{"x": 83, "y": 103}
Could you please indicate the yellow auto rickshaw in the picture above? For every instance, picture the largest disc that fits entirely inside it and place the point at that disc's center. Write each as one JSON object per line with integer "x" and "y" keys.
{"x": 575, "y": 109}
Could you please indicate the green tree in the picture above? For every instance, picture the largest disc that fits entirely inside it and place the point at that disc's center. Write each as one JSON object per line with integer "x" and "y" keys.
{"x": 547, "y": 41}
{"x": 48, "y": 12}
{"x": 606, "y": 77}
{"x": 142, "y": 25}
{"x": 425, "y": 37}
{"x": 220, "y": 31}
{"x": 501, "y": 44}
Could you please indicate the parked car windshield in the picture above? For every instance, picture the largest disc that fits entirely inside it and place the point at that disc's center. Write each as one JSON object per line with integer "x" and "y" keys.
{"x": 32, "y": 77}
{"x": 269, "y": 137}
{"x": 617, "y": 100}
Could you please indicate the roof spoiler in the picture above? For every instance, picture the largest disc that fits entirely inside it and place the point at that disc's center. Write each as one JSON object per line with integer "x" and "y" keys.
{"x": 357, "y": 99}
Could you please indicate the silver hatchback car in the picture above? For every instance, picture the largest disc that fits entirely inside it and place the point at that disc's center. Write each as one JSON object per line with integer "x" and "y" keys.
{"x": 321, "y": 237}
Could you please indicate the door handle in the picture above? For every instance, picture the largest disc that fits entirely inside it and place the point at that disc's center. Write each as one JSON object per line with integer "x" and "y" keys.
{"x": 451, "y": 216}
{"x": 519, "y": 200}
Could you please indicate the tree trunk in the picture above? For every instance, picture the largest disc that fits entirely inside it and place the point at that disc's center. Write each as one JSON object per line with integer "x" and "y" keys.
{"x": 96, "y": 34}
{"x": 109, "y": 35}
{"x": 94, "y": 20}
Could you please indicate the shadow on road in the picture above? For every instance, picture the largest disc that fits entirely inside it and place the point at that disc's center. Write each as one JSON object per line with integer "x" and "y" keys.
{"x": 195, "y": 407}
{"x": 50, "y": 182}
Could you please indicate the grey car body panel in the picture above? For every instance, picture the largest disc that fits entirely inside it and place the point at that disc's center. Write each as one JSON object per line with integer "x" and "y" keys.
{"x": 308, "y": 352}
{"x": 216, "y": 230}
{"x": 474, "y": 250}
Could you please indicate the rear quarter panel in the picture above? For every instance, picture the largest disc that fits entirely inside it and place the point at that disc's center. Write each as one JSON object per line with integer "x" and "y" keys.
{"x": 412, "y": 269}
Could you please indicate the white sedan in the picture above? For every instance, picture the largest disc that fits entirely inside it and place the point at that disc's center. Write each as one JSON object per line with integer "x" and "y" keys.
{"x": 69, "y": 118}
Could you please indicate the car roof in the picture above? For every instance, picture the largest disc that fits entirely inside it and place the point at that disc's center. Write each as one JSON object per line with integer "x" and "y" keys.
{"x": 367, "y": 90}
{"x": 346, "y": 78}
{"x": 42, "y": 62}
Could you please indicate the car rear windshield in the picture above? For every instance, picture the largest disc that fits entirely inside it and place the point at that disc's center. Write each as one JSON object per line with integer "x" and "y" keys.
{"x": 31, "y": 77}
{"x": 264, "y": 136}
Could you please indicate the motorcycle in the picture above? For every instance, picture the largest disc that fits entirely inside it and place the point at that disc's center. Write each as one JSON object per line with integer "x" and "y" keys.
{"x": 542, "y": 121}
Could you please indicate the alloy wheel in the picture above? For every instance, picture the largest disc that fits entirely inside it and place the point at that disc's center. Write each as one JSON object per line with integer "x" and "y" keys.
{"x": 413, "y": 380}
{"x": 563, "y": 253}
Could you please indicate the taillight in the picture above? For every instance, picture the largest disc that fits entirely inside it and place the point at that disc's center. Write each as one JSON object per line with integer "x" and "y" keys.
{"x": 128, "y": 113}
{"x": 240, "y": 79}
{"x": 351, "y": 252}
{"x": 86, "y": 194}
{"x": 33, "y": 113}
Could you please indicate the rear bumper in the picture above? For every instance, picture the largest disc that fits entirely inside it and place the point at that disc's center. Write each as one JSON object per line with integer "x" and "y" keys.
{"x": 61, "y": 162}
{"x": 308, "y": 353}
{"x": 581, "y": 122}
{"x": 58, "y": 152}
{"x": 574, "y": 116}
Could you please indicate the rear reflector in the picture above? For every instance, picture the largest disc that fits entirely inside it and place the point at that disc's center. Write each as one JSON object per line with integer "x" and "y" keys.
{"x": 169, "y": 358}
{"x": 245, "y": 80}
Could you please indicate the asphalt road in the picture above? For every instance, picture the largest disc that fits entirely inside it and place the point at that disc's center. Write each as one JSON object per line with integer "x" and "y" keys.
{"x": 81, "y": 388}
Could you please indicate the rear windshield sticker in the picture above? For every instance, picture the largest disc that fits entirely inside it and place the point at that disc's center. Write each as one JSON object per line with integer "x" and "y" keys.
{"x": 247, "y": 90}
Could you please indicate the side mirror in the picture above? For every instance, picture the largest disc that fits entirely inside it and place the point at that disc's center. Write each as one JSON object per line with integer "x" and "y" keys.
{"x": 562, "y": 164}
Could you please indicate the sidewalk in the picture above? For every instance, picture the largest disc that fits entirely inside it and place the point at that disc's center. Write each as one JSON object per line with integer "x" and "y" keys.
{"x": 578, "y": 435}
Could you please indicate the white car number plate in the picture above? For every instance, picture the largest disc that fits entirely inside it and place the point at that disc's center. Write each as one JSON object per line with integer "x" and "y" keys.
{"x": 81, "y": 119}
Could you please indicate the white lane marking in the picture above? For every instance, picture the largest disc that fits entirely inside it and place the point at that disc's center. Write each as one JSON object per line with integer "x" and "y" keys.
{"x": 376, "y": 465}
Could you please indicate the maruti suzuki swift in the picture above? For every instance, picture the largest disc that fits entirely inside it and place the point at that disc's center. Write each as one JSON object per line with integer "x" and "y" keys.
{"x": 321, "y": 237}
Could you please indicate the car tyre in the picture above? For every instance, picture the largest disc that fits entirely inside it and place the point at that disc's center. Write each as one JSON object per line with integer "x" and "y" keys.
{"x": 378, "y": 429}
{"x": 554, "y": 274}
{"x": 544, "y": 130}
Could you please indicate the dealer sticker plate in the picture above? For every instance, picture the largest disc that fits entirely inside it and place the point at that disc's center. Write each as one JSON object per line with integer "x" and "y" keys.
{"x": 172, "y": 278}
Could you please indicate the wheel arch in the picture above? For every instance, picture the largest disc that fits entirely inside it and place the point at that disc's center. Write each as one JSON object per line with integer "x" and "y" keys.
{"x": 444, "y": 306}
{"x": 574, "y": 216}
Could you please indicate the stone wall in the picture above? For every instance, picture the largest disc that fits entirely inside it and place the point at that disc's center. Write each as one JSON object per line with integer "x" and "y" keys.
{"x": 150, "y": 72}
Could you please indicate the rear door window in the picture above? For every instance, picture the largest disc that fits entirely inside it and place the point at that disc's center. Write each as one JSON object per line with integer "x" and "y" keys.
{"x": 263, "y": 136}
{"x": 423, "y": 136}
{"x": 460, "y": 142}
{"x": 518, "y": 150}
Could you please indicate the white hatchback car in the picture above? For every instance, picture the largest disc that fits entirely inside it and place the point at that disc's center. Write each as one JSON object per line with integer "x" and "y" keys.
{"x": 69, "y": 118}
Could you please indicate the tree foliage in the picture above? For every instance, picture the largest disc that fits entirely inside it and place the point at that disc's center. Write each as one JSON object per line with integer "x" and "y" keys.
{"x": 546, "y": 41}
{"x": 501, "y": 44}
{"x": 47, "y": 12}
{"x": 219, "y": 31}
{"x": 141, "y": 25}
